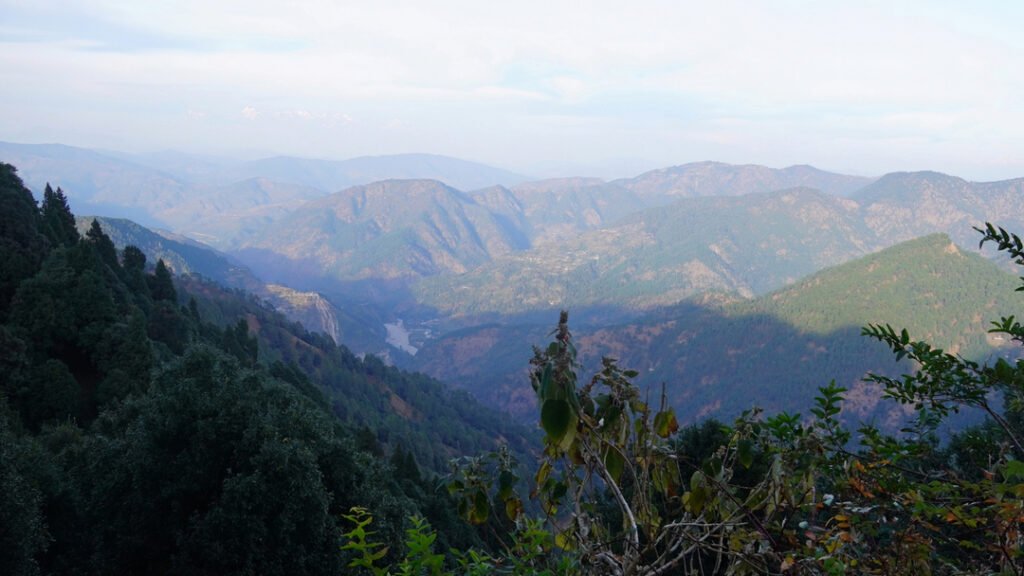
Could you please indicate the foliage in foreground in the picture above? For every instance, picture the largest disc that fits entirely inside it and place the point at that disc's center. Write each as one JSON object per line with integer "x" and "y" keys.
{"x": 622, "y": 492}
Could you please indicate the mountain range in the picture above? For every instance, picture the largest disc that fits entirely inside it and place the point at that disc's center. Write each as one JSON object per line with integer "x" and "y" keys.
{"x": 217, "y": 199}
{"x": 452, "y": 268}
{"x": 385, "y": 230}
{"x": 720, "y": 179}
{"x": 746, "y": 245}
{"x": 743, "y": 244}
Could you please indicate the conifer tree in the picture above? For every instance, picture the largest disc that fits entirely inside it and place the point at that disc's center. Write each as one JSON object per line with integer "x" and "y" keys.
{"x": 104, "y": 246}
{"x": 58, "y": 221}
{"x": 161, "y": 285}
{"x": 22, "y": 244}
{"x": 133, "y": 261}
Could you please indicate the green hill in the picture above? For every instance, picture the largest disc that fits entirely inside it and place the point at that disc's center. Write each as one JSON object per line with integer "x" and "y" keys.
{"x": 928, "y": 285}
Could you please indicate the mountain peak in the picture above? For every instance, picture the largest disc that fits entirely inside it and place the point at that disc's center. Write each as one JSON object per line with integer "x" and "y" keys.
{"x": 720, "y": 179}
{"x": 909, "y": 186}
{"x": 920, "y": 176}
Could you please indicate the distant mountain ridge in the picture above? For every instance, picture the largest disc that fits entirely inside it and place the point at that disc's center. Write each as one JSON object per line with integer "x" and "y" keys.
{"x": 96, "y": 183}
{"x": 335, "y": 175}
{"x": 720, "y": 179}
{"x": 562, "y": 208}
{"x": 661, "y": 237}
{"x": 219, "y": 199}
{"x": 533, "y": 215}
{"x": 385, "y": 230}
{"x": 905, "y": 205}
{"x": 747, "y": 245}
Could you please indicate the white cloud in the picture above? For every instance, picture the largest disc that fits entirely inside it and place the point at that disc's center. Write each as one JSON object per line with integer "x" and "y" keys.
{"x": 250, "y": 113}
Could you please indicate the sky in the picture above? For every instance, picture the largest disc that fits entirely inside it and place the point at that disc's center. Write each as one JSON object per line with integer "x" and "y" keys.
{"x": 544, "y": 88}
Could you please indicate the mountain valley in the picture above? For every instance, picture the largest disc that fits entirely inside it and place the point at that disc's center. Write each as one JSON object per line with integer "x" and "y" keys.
{"x": 774, "y": 350}
{"x": 701, "y": 276}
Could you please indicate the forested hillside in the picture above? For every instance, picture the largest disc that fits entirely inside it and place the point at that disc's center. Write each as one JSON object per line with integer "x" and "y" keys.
{"x": 419, "y": 413}
{"x": 149, "y": 426}
{"x": 774, "y": 350}
{"x": 359, "y": 328}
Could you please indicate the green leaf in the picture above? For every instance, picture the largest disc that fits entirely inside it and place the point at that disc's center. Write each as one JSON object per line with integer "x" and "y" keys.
{"x": 1014, "y": 469}
{"x": 745, "y": 453}
{"x": 513, "y": 508}
{"x": 542, "y": 473}
{"x": 611, "y": 417}
{"x": 481, "y": 508}
{"x": 658, "y": 477}
{"x": 665, "y": 423}
{"x": 506, "y": 483}
{"x": 556, "y": 417}
{"x": 614, "y": 462}
{"x": 1004, "y": 371}
{"x": 559, "y": 491}
{"x": 455, "y": 486}
{"x": 696, "y": 499}
{"x": 546, "y": 379}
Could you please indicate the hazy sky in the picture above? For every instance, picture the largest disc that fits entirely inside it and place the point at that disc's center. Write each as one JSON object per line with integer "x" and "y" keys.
{"x": 540, "y": 87}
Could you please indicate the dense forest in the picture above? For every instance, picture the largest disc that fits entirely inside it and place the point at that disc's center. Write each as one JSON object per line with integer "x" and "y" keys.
{"x": 159, "y": 425}
{"x": 153, "y": 424}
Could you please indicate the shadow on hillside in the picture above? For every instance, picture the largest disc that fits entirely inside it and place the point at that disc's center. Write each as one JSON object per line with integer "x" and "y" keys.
{"x": 712, "y": 364}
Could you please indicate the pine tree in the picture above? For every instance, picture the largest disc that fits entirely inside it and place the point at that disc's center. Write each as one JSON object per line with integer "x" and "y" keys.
{"x": 58, "y": 221}
{"x": 366, "y": 441}
{"x": 104, "y": 246}
{"x": 161, "y": 286}
{"x": 22, "y": 244}
{"x": 133, "y": 261}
